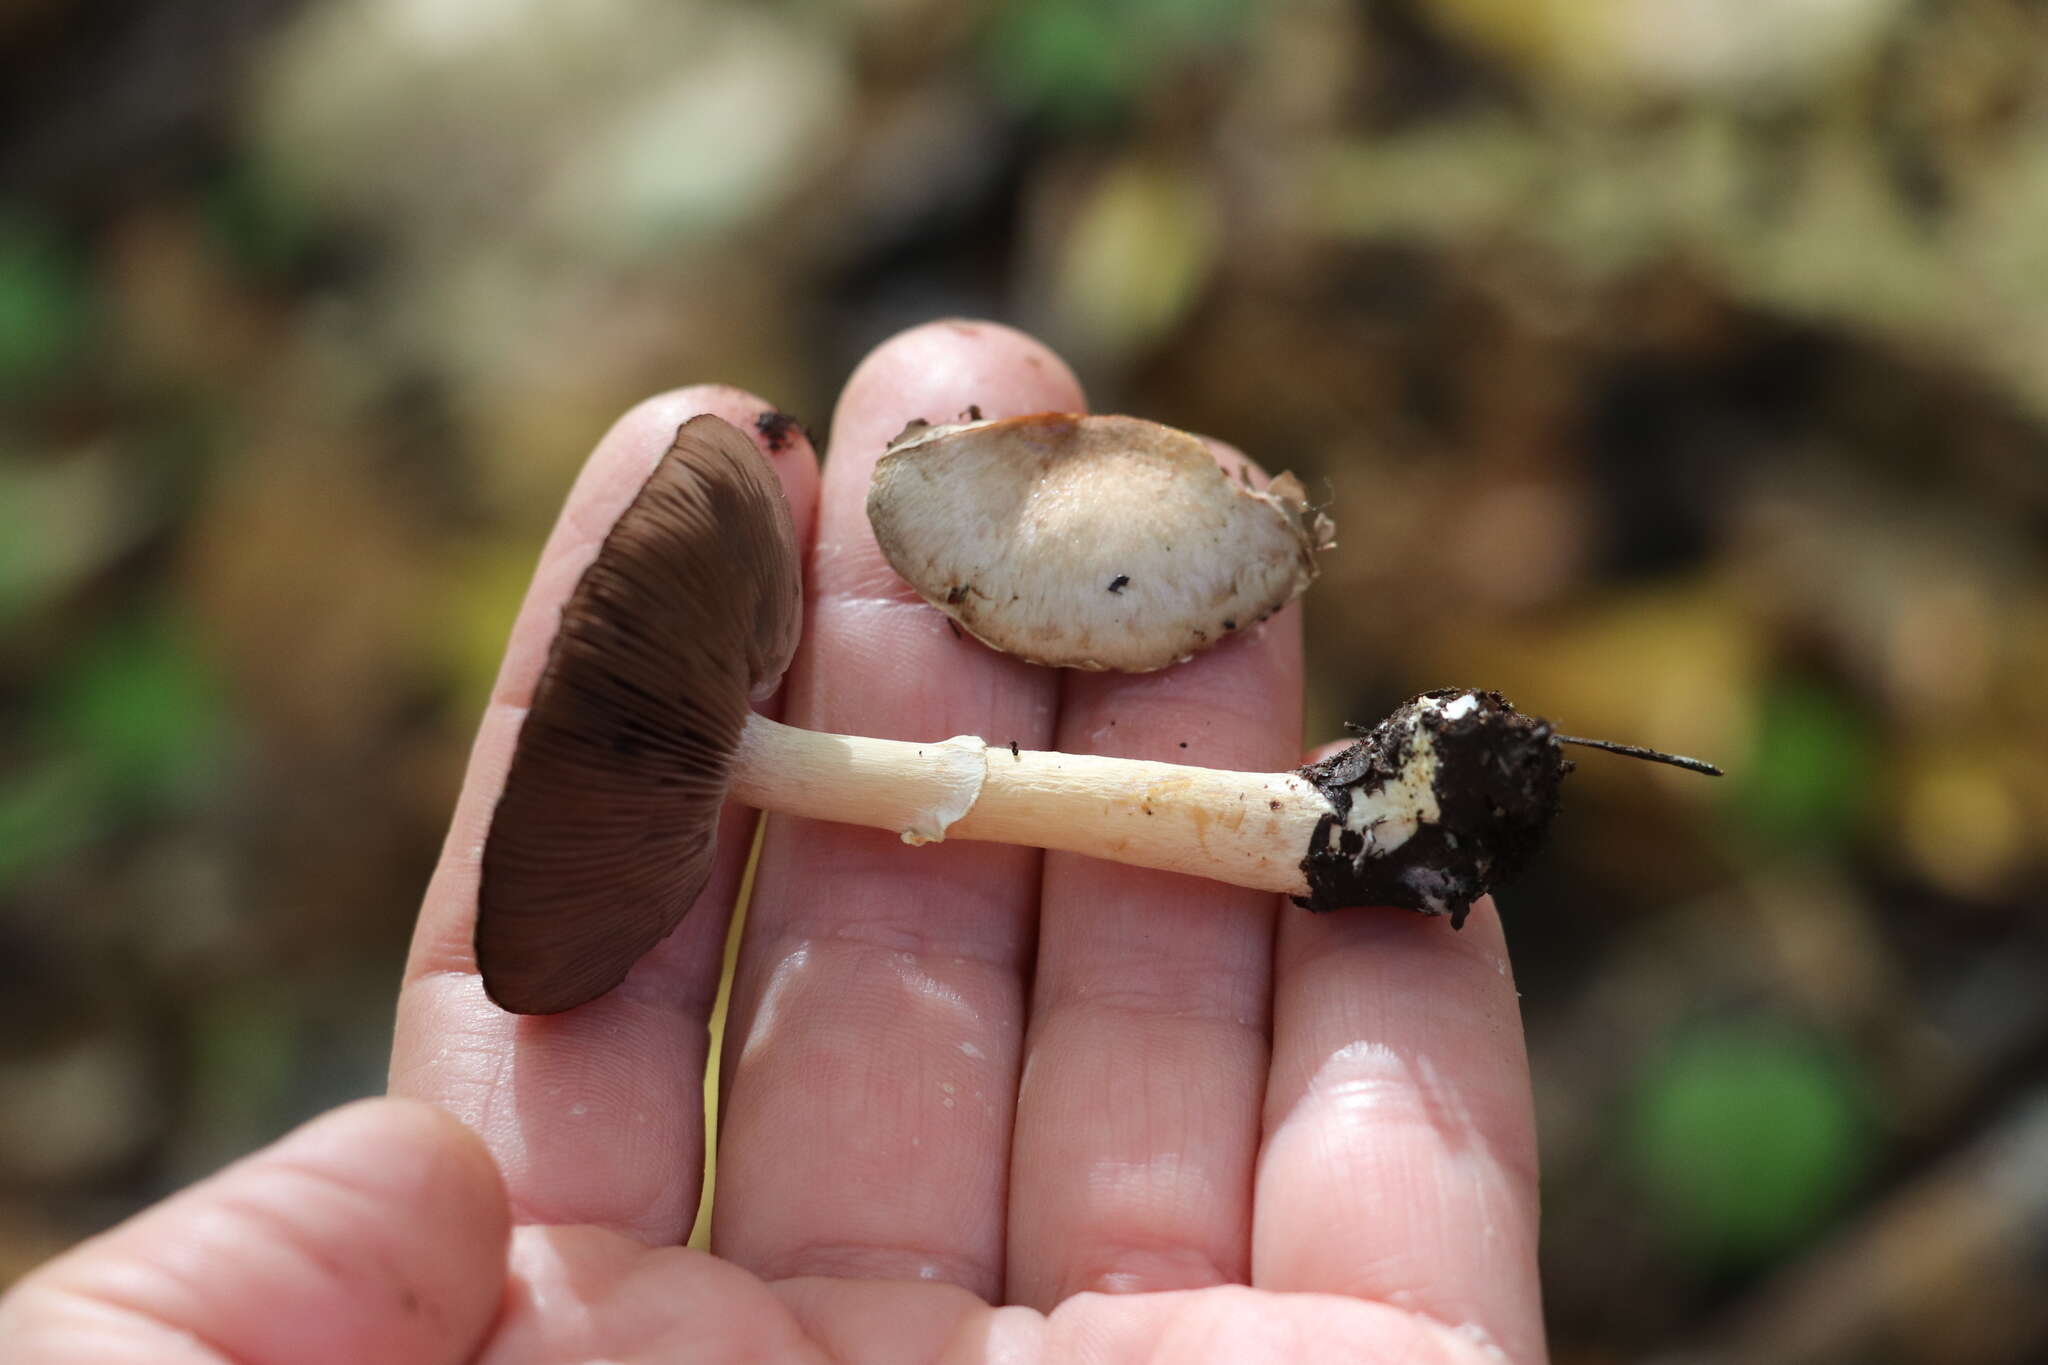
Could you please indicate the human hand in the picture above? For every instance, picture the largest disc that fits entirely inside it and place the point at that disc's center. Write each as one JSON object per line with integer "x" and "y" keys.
{"x": 956, "y": 1076}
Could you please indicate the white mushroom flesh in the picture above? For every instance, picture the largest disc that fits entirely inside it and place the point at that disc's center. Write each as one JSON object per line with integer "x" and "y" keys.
{"x": 1090, "y": 542}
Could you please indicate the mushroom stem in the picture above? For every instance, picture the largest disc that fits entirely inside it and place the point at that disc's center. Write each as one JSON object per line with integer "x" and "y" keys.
{"x": 1248, "y": 829}
{"x": 1445, "y": 798}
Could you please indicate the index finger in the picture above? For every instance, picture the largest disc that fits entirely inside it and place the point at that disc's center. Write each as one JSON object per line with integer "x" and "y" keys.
{"x": 594, "y": 1115}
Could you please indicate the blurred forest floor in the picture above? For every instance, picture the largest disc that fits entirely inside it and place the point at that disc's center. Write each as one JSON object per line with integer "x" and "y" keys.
{"x": 1679, "y": 367}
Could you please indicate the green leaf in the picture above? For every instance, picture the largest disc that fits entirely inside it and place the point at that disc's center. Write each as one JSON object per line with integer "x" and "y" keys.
{"x": 44, "y": 307}
{"x": 1810, "y": 780}
{"x": 1082, "y": 62}
{"x": 1746, "y": 1135}
{"x": 1061, "y": 58}
{"x": 141, "y": 707}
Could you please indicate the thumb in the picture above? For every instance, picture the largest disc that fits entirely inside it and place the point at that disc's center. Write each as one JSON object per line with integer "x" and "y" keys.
{"x": 376, "y": 1232}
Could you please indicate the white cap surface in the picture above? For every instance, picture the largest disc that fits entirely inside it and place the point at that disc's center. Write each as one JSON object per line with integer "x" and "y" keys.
{"x": 1089, "y": 542}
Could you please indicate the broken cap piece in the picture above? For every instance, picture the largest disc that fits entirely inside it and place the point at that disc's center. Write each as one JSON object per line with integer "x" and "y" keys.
{"x": 604, "y": 834}
{"x": 1089, "y": 542}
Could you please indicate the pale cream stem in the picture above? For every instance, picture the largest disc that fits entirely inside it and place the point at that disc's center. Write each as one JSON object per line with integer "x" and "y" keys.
{"x": 1248, "y": 829}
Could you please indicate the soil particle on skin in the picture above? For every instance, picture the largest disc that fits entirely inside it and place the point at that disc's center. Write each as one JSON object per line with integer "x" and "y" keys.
{"x": 910, "y": 429}
{"x": 777, "y": 427}
{"x": 1120, "y": 582}
{"x": 1013, "y": 749}
{"x": 1230, "y": 625}
{"x": 973, "y": 413}
{"x": 957, "y": 594}
{"x": 1496, "y": 782}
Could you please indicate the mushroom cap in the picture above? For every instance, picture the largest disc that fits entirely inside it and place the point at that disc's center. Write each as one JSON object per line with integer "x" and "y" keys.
{"x": 604, "y": 834}
{"x": 1089, "y": 542}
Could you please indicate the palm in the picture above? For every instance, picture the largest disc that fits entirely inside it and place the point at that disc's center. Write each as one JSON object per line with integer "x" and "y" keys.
{"x": 954, "y": 1076}
{"x": 615, "y": 1298}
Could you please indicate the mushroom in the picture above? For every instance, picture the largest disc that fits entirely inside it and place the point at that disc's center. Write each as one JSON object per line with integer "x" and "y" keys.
{"x": 640, "y": 730}
{"x": 1089, "y": 542}
{"x": 602, "y": 837}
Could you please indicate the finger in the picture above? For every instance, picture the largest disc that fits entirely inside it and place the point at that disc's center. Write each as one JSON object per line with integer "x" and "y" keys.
{"x": 1138, "y": 1117}
{"x": 595, "y": 1115}
{"x": 1400, "y": 1155}
{"x": 377, "y": 1232}
{"x": 879, "y": 998}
